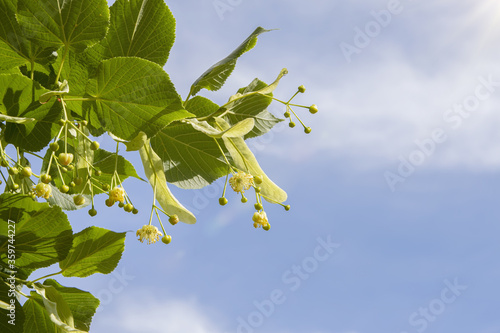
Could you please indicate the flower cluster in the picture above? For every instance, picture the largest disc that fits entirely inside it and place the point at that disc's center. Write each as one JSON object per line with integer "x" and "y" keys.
{"x": 241, "y": 181}
{"x": 149, "y": 233}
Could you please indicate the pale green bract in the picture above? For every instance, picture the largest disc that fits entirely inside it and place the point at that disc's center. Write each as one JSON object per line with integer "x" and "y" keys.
{"x": 153, "y": 167}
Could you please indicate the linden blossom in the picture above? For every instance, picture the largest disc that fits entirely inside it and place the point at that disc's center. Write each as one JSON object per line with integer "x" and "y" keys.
{"x": 150, "y": 233}
{"x": 241, "y": 182}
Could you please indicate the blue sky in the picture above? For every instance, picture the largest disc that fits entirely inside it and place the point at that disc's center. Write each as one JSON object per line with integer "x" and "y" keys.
{"x": 417, "y": 104}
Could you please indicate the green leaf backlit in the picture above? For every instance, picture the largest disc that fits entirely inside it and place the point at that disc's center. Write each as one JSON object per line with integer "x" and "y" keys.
{"x": 43, "y": 234}
{"x": 215, "y": 77}
{"x": 95, "y": 250}
{"x": 249, "y": 103}
{"x": 191, "y": 158}
{"x": 20, "y": 99}
{"x": 140, "y": 28}
{"x": 131, "y": 95}
{"x": 82, "y": 304}
{"x": 76, "y": 24}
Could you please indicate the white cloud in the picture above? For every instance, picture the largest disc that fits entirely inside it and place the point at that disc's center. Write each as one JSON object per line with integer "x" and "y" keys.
{"x": 153, "y": 315}
{"x": 398, "y": 89}
{"x": 371, "y": 110}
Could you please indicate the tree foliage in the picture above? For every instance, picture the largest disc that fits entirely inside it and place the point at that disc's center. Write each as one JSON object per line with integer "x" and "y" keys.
{"x": 72, "y": 71}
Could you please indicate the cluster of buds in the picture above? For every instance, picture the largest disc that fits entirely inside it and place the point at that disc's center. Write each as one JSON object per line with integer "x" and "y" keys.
{"x": 18, "y": 178}
{"x": 289, "y": 111}
{"x": 240, "y": 182}
{"x": 65, "y": 162}
{"x": 67, "y": 169}
{"x": 118, "y": 194}
{"x": 61, "y": 169}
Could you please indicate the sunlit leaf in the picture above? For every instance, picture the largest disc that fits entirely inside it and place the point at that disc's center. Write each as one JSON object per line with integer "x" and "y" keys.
{"x": 82, "y": 304}
{"x": 76, "y": 24}
{"x": 215, "y": 77}
{"x": 139, "y": 28}
{"x": 20, "y": 99}
{"x": 43, "y": 235}
{"x": 95, "y": 250}
{"x": 131, "y": 95}
{"x": 191, "y": 159}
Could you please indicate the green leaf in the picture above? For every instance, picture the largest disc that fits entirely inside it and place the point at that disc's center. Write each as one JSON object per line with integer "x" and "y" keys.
{"x": 19, "y": 101}
{"x": 37, "y": 318}
{"x": 47, "y": 311}
{"x": 12, "y": 44}
{"x": 76, "y": 24}
{"x": 140, "y": 28}
{"x": 82, "y": 304}
{"x": 264, "y": 122}
{"x": 43, "y": 235}
{"x": 15, "y": 48}
{"x": 13, "y": 70}
{"x": 58, "y": 309}
{"x": 66, "y": 201}
{"x": 75, "y": 68}
{"x": 215, "y": 77}
{"x": 153, "y": 168}
{"x": 95, "y": 250}
{"x": 10, "y": 58}
{"x": 201, "y": 106}
{"x": 252, "y": 101}
{"x": 106, "y": 161}
{"x": 191, "y": 159}
{"x": 12, "y": 322}
{"x": 42, "y": 74}
{"x": 132, "y": 95}
{"x": 244, "y": 159}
